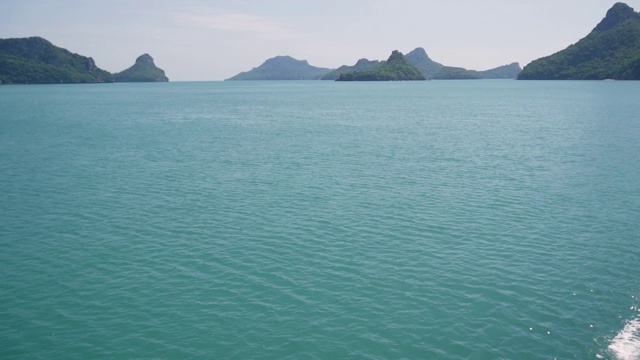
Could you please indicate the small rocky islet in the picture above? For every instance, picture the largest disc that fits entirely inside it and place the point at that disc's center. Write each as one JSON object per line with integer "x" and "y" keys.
{"x": 144, "y": 70}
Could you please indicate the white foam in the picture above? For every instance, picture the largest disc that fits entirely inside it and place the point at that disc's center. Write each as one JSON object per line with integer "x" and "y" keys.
{"x": 626, "y": 344}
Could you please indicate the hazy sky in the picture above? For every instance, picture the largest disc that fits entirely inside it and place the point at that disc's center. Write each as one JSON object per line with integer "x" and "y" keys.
{"x": 216, "y": 39}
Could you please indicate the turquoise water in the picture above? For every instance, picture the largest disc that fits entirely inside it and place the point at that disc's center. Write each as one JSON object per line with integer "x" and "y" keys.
{"x": 275, "y": 220}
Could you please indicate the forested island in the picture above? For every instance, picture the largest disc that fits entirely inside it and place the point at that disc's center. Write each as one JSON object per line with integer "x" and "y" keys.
{"x": 35, "y": 60}
{"x": 396, "y": 68}
{"x": 282, "y": 68}
{"x": 288, "y": 68}
{"x": 610, "y": 51}
{"x": 144, "y": 70}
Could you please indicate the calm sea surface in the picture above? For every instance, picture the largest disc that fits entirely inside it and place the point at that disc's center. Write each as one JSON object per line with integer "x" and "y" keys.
{"x": 320, "y": 220}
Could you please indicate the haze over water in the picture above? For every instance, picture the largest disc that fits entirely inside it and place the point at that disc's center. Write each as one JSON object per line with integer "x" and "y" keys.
{"x": 273, "y": 220}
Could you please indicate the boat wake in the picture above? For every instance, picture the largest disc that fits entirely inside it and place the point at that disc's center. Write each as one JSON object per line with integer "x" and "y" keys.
{"x": 626, "y": 344}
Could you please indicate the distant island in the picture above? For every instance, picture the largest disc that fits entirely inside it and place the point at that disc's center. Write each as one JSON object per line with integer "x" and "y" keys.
{"x": 418, "y": 57}
{"x": 396, "y": 68}
{"x": 360, "y": 65}
{"x": 288, "y": 68}
{"x": 610, "y": 51}
{"x": 35, "y": 60}
{"x": 282, "y": 68}
{"x": 436, "y": 71}
{"x": 144, "y": 70}
{"x": 509, "y": 71}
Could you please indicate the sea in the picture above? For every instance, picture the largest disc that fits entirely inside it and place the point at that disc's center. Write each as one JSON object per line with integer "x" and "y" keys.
{"x": 484, "y": 219}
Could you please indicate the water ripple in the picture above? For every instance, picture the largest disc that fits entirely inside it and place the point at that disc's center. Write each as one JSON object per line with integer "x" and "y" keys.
{"x": 340, "y": 223}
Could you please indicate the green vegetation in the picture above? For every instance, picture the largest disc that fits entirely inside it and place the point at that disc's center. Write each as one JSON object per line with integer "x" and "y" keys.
{"x": 144, "y": 70}
{"x": 396, "y": 68}
{"x": 610, "y": 51}
{"x": 282, "y": 68}
{"x": 361, "y": 65}
{"x": 456, "y": 73}
{"x": 36, "y": 61}
{"x": 287, "y": 68}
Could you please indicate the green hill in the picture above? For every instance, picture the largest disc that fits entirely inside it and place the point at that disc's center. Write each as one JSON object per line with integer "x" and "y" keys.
{"x": 282, "y": 68}
{"x": 144, "y": 70}
{"x": 610, "y": 51}
{"x": 396, "y": 68}
{"x": 361, "y": 65}
{"x": 35, "y": 60}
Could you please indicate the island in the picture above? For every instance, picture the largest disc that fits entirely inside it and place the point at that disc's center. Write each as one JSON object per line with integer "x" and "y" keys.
{"x": 144, "y": 70}
{"x": 282, "y": 68}
{"x": 35, "y": 60}
{"x": 610, "y": 51}
{"x": 360, "y": 65}
{"x": 288, "y": 68}
{"x": 396, "y": 68}
{"x": 418, "y": 57}
{"x": 509, "y": 71}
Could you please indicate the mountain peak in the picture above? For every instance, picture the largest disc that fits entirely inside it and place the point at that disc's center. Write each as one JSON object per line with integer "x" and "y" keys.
{"x": 283, "y": 60}
{"x": 419, "y": 58}
{"x": 282, "y": 68}
{"x": 38, "y": 39}
{"x": 418, "y": 52}
{"x": 619, "y": 13}
{"x": 362, "y": 61}
{"x": 610, "y": 51}
{"x": 396, "y": 68}
{"x": 395, "y": 56}
{"x": 145, "y": 59}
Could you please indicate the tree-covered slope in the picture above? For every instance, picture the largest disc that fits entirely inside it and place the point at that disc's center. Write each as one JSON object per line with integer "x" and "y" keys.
{"x": 361, "y": 65}
{"x": 35, "y": 60}
{"x": 455, "y": 73}
{"x": 610, "y": 51}
{"x": 396, "y": 68}
{"x": 282, "y": 68}
{"x": 144, "y": 70}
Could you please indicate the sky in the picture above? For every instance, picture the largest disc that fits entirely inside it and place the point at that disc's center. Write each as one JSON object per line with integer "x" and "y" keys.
{"x": 204, "y": 40}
